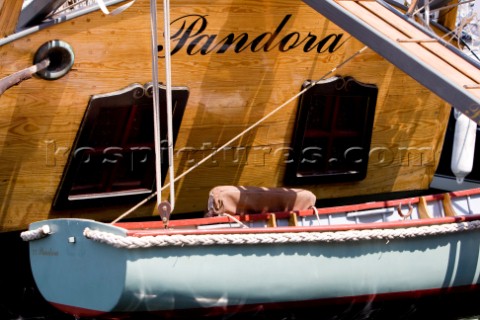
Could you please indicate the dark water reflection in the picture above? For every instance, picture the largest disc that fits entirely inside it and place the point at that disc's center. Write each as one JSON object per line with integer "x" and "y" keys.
{"x": 443, "y": 308}
{"x": 20, "y": 300}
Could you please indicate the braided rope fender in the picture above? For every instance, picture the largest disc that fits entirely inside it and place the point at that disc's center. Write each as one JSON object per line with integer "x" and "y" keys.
{"x": 35, "y": 234}
{"x": 130, "y": 242}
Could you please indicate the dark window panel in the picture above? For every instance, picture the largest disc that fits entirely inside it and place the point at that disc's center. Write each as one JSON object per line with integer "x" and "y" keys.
{"x": 113, "y": 156}
{"x": 332, "y": 134}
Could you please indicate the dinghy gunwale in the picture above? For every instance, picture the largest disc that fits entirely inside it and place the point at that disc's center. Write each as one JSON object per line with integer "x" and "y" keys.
{"x": 176, "y": 279}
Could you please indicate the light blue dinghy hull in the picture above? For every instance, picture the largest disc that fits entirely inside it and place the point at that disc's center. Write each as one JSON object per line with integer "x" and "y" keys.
{"x": 88, "y": 278}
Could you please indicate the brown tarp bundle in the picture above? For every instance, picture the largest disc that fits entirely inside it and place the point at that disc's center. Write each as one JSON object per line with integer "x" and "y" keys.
{"x": 247, "y": 200}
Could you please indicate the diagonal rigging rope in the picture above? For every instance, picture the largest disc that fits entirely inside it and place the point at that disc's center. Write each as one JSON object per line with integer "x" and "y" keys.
{"x": 271, "y": 113}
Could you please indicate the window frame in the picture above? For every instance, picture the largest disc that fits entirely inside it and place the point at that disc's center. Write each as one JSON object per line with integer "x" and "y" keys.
{"x": 118, "y": 148}
{"x": 322, "y": 159}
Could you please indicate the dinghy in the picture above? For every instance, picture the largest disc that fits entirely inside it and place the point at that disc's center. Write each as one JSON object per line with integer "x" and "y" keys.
{"x": 238, "y": 261}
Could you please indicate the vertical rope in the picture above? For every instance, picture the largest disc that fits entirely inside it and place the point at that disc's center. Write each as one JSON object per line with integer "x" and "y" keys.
{"x": 156, "y": 104}
{"x": 168, "y": 77}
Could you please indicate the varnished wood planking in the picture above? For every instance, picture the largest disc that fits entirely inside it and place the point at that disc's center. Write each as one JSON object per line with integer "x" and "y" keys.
{"x": 448, "y": 17}
{"x": 437, "y": 48}
{"x": 228, "y": 91}
{"x": 9, "y": 13}
{"x": 440, "y": 57}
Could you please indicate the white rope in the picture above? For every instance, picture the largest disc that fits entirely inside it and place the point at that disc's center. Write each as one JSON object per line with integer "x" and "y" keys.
{"x": 156, "y": 98}
{"x": 120, "y": 9}
{"x": 235, "y": 220}
{"x": 168, "y": 77}
{"x": 130, "y": 242}
{"x": 35, "y": 234}
{"x": 316, "y": 214}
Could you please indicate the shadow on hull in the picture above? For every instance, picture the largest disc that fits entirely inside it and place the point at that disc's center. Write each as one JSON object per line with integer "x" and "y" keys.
{"x": 20, "y": 299}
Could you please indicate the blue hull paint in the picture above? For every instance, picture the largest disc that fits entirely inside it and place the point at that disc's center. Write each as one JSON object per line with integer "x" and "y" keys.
{"x": 85, "y": 277}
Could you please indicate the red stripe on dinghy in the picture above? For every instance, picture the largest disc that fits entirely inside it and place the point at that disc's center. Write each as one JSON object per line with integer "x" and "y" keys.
{"x": 275, "y": 306}
{"x": 326, "y": 228}
{"x": 395, "y": 202}
{"x": 158, "y": 225}
{"x": 79, "y": 312}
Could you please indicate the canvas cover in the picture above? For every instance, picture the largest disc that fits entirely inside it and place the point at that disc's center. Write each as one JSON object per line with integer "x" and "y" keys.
{"x": 246, "y": 200}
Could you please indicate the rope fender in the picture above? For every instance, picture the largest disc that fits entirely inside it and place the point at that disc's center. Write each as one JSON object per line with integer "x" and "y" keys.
{"x": 36, "y": 234}
{"x": 130, "y": 242}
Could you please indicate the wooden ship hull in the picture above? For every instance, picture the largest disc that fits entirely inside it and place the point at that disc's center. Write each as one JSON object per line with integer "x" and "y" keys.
{"x": 239, "y": 62}
{"x": 342, "y": 100}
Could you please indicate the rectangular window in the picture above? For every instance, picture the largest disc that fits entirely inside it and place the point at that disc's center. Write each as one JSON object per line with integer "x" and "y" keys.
{"x": 113, "y": 156}
{"x": 332, "y": 134}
